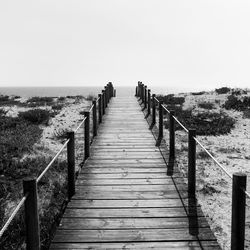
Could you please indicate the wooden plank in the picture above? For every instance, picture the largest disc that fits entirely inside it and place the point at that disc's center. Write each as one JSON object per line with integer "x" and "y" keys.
{"x": 128, "y": 195}
{"x": 129, "y": 223}
{"x": 124, "y": 203}
{"x": 131, "y": 235}
{"x": 125, "y": 175}
{"x": 181, "y": 245}
{"x": 131, "y": 188}
{"x": 109, "y": 170}
{"x": 113, "y": 182}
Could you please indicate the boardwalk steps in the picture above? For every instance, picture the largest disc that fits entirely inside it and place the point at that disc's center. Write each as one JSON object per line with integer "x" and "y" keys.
{"x": 124, "y": 198}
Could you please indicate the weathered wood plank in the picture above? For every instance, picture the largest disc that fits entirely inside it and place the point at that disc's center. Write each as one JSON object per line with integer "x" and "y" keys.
{"x": 129, "y": 223}
{"x": 181, "y": 245}
{"x": 131, "y": 235}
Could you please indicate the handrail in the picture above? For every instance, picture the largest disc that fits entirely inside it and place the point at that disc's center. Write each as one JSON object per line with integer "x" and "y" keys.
{"x": 91, "y": 108}
{"x": 180, "y": 124}
{"x": 51, "y": 162}
{"x": 20, "y": 204}
{"x": 247, "y": 194}
{"x": 213, "y": 158}
{"x": 166, "y": 108}
{"x": 80, "y": 124}
{"x": 156, "y": 99}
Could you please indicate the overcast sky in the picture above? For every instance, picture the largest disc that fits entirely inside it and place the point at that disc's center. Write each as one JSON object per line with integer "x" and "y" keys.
{"x": 183, "y": 43}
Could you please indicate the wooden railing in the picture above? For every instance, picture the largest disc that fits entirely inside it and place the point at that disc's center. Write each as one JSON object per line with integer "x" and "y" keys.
{"x": 30, "y": 194}
{"x": 239, "y": 193}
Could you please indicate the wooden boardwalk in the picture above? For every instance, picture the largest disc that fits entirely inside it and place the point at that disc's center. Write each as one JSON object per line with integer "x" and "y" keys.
{"x": 124, "y": 198}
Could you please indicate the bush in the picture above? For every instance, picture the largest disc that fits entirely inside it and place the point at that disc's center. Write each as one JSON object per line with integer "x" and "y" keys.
{"x": 40, "y": 101}
{"x": 61, "y": 98}
{"x": 205, "y": 123}
{"x": 90, "y": 97}
{"x": 171, "y": 99}
{"x": 233, "y": 102}
{"x": 206, "y": 105}
{"x": 36, "y": 116}
{"x": 4, "y": 98}
{"x": 57, "y": 107}
{"x": 223, "y": 90}
{"x": 198, "y": 93}
{"x": 2, "y": 112}
{"x": 61, "y": 134}
{"x": 246, "y": 113}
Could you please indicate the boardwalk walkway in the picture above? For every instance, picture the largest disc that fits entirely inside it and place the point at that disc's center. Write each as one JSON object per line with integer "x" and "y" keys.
{"x": 124, "y": 198}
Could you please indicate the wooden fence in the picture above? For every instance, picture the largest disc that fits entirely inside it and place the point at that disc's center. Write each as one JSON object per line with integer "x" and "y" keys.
{"x": 30, "y": 194}
{"x": 239, "y": 194}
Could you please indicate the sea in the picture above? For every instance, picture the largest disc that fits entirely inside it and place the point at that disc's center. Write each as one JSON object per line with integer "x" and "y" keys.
{"x": 71, "y": 91}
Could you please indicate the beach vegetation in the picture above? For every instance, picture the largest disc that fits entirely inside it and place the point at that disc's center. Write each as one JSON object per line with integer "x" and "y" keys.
{"x": 223, "y": 90}
{"x": 57, "y": 107}
{"x": 171, "y": 99}
{"x": 198, "y": 93}
{"x": 206, "y": 105}
{"x": 233, "y": 102}
{"x": 61, "y": 134}
{"x": 36, "y": 116}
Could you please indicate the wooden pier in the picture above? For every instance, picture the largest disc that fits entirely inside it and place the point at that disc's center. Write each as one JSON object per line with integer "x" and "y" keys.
{"x": 124, "y": 198}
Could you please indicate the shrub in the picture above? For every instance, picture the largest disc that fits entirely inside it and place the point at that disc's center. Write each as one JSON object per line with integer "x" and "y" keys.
{"x": 223, "y": 90}
{"x": 206, "y": 105}
{"x": 90, "y": 97}
{"x": 205, "y": 123}
{"x": 4, "y": 98}
{"x": 40, "y": 101}
{"x": 171, "y": 99}
{"x": 57, "y": 107}
{"x": 61, "y": 98}
{"x": 36, "y": 116}
{"x": 2, "y": 112}
{"x": 61, "y": 134}
{"x": 233, "y": 102}
{"x": 246, "y": 113}
{"x": 198, "y": 93}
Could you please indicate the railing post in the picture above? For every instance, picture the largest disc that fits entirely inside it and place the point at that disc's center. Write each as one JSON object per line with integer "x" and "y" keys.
{"x": 142, "y": 93}
{"x": 136, "y": 91}
{"x": 171, "y": 136}
{"x": 191, "y": 162}
{"x": 160, "y": 135}
{"x": 153, "y": 112}
{"x": 100, "y": 108}
{"x": 106, "y": 96}
{"x": 149, "y": 103}
{"x": 114, "y": 92}
{"x": 110, "y": 89}
{"x": 71, "y": 164}
{"x": 94, "y": 119}
{"x": 145, "y": 98}
{"x": 139, "y": 90}
{"x": 238, "y": 211}
{"x": 86, "y": 135}
{"x": 31, "y": 215}
{"x": 103, "y": 102}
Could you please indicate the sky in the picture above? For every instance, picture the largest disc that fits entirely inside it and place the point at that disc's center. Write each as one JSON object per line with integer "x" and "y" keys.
{"x": 196, "y": 44}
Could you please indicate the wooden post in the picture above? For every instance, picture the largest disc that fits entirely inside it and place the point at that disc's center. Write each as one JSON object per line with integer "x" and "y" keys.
{"x": 71, "y": 164}
{"x": 191, "y": 162}
{"x": 136, "y": 91}
{"x": 31, "y": 215}
{"x": 100, "y": 108}
{"x": 103, "y": 102}
{"x": 94, "y": 119}
{"x": 106, "y": 96}
{"x": 149, "y": 103}
{"x": 110, "y": 89}
{"x": 86, "y": 135}
{"x": 160, "y": 135}
{"x": 153, "y": 112}
{"x": 142, "y": 93}
{"x": 114, "y": 92}
{"x": 145, "y": 98}
{"x": 139, "y": 90}
{"x": 171, "y": 136}
{"x": 238, "y": 211}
